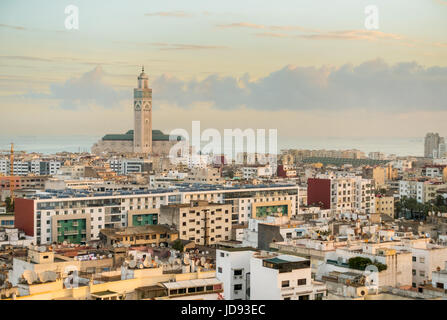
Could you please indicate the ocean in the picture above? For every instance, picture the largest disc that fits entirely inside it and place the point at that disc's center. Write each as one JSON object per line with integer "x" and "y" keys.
{"x": 80, "y": 143}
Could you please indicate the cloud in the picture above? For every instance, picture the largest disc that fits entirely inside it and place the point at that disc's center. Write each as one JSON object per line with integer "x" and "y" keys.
{"x": 242, "y": 25}
{"x": 89, "y": 89}
{"x": 180, "y": 46}
{"x": 175, "y": 14}
{"x": 372, "y": 85}
{"x": 317, "y": 34}
{"x": 12, "y": 27}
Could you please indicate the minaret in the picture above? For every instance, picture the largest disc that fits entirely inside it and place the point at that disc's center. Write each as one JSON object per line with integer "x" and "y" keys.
{"x": 142, "y": 139}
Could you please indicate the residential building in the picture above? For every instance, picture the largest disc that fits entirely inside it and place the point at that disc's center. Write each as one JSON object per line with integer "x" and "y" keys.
{"x": 200, "y": 221}
{"x": 385, "y": 205}
{"x": 142, "y": 235}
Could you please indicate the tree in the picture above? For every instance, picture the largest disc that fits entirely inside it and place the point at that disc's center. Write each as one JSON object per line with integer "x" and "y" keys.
{"x": 177, "y": 245}
{"x": 9, "y": 205}
{"x": 360, "y": 263}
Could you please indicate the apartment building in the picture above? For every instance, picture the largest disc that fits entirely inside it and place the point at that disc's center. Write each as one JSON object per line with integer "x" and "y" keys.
{"x": 259, "y": 275}
{"x": 204, "y": 175}
{"x": 233, "y": 269}
{"x": 385, "y": 205}
{"x": 24, "y": 167}
{"x": 283, "y": 277}
{"x": 422, "y": 190}
{"x": 341, "y": 193}
{"x": 142, "y": 235}
{"x": 398, "y": 262}
{"x": 250, "y": 172}
{"x": 203, "y": 222}
{"x": 115, "y": 209}
{"x": 426, "y": 258}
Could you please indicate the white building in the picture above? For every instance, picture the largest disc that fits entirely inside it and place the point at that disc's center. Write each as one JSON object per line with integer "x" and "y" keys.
{"x": 251, "y": 275}
{"x": 257, "y": 172}
{"x": 426, "y": 258}
{"x": 233, "y": 269}
{"x": 283, "y": 277}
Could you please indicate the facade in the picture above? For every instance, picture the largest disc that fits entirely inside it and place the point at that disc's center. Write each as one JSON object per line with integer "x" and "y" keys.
{"x": 233, "y": 269}
{"x": 341, "y": 193}
{"x": 144, "y": 235}
{"x": 431, "y": 146}
{"x": 257, "y": 172}
{"x": 283, "y": 277}
{"x": 253, "y": 275}
{"x": 23, "y": 167}
{"x": 204, "y": 175}
{"x": 142, "y": 140}
{"x": 200, "y": 221}
{"x": 421, "y": 190}
{"x": 385, "y": 205}
{"x": 113, "y": 209}
{"x": 426, "y": 258}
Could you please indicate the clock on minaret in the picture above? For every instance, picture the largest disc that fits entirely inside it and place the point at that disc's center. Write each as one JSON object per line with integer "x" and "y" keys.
{"x": 142, "y": 139}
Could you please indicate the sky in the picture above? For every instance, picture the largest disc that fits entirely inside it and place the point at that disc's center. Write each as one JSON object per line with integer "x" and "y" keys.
{"x": 308, "y": 68}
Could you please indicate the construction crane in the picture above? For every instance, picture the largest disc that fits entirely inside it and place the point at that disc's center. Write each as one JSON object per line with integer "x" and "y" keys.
{"x": 11, "y": 174}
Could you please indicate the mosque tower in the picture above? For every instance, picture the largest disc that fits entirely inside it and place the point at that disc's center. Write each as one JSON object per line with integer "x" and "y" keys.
{"x": 142, "y": 141}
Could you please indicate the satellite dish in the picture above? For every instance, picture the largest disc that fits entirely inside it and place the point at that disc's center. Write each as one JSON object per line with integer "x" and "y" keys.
{"x": 146, "y": 263}
{"x": 29, "y": 276}
{"x": 110, "y": 255}
{"x": 42, "y": 249}
{"x": 132, "y": 264}
{"x": 202, "y": 260}
{"x": 47, "y": 276}
{"x": 140, "y": 266}
{"x": 115, "y": 245}
{"x": 186, "y": 260}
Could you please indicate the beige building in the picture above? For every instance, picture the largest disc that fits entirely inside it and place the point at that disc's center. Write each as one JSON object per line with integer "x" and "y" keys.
{"x": 205, "y": 175}
{"x": 385, "y": 205}
{"x": 200, "y": 221}
{"x": 141, "y": 235}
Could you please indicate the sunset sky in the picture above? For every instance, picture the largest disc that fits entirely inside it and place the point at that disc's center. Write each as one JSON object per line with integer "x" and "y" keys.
{"x": 305, "y": 67}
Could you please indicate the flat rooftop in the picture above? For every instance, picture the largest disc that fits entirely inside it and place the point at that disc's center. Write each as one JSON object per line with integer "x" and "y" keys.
{"x": 50, "y": 194}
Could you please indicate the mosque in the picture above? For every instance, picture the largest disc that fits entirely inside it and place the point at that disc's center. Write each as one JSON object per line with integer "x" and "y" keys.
{"x": 142, "y": 140}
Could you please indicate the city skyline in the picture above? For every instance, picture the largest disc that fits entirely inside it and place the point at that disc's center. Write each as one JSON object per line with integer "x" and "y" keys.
{"x": 227, "y": 65}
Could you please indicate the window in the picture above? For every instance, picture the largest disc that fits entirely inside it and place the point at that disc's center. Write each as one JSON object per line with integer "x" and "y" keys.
{"x": 319, "y": 296}
{"x": 414, "y": 259}
{"x": 219, "y": 269}
{"x": 287, "y": 298}
{"x": 304, "y": 297}
{"x": 422, "y": 273}
{"x": 285, "y": 284}
{"x": 222, "y": 254}
{"x": 301, "y": 282}
{"x": 238, "y": 272}
{"x": 237, "y": 287}
{"x": 422, "y": 260}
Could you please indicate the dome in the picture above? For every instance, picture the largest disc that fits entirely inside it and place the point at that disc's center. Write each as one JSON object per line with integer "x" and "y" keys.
{"x": 142, "y": 74}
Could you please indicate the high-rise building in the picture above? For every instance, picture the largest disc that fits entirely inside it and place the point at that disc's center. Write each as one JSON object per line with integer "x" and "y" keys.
{"x": 142, "y": 138}
{"x": 433, "y": 145}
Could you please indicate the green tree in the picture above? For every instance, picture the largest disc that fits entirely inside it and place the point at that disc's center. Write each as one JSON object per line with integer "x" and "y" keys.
{"x": 9, "y": 205}
{"x": 177, "y": 245}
